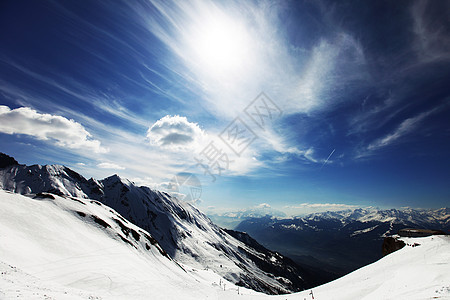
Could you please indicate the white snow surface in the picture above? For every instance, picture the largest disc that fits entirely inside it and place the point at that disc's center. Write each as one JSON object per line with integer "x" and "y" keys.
{"x": 420, "y": 272}
{"x": 183, "y": 231}
{"x": 363, "y": 230}
{"x": 49, "y": 251}
{"x": 40, "y": 178}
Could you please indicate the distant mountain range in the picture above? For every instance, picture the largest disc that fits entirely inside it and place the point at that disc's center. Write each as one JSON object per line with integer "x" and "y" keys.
{"x": 231, "y": 219}
{"x": 323, "y": 246}
{"x": 63, "y": 236}
{"x": 343, "y": 241}
{"x": 184, "y": 233}
{"x": 62, "y": 247}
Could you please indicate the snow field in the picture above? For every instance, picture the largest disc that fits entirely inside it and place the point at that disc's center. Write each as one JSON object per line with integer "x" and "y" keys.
{"x": 48, "y": 250}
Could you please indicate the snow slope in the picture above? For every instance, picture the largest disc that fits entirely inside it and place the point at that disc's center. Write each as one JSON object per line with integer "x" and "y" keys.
{"x": 341, "y": 241}
{"x": 66, "y": 248}
{"x": 421, "y": 272}
{"x": 49, "y": 250}
{"x": 411, "y": 273}
{"x": 185, "y": 233}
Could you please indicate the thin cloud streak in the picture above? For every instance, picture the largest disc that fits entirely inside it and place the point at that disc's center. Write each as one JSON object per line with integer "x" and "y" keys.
{"x": 109, "y": 165}
{"x": 308, "y": 208}
{"x": 272, "y": 67}
{"x": 432, "y": 39}
{"x": 77, "y": 90}
{"x": 403, "y": 129}
{"x": 327, "y": 158}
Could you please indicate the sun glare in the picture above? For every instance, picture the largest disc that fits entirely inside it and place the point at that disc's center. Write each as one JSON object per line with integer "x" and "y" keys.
{"x": 222, "y": 45}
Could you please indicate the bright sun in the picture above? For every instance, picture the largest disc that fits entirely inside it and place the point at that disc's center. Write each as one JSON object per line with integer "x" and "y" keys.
{"x": 222, "y": 45}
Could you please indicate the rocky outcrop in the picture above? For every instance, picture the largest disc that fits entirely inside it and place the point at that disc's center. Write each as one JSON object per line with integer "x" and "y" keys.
{"x": 391, "y": 244}
{"x": 6, "y": 161}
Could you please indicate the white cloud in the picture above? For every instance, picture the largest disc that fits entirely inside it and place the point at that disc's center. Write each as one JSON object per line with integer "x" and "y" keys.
{"x": 315, "y": 84}
{"x": 323, "y": 205}
{"x": 146, "y": 181}
{"x": 176, "y": 133}
{"x": 432, "y": 42}
{"x": 107, "y": 165}
{"x": 404, "y": 128}
{"x": 263, "y": 205}
{"x": 66, "y": 133}
{"x": 301, "y": 79}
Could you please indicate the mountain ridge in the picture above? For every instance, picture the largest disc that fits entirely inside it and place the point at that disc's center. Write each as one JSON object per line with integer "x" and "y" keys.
{"x": 342, "y": 241}
{"x": 55, "y": 249}
{"x": 185, "y": 233}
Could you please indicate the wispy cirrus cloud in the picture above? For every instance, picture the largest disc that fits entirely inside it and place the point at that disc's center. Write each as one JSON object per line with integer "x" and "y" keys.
{"x": 432, "y": 40}
{"x": 322, "y": 205}
{"x": 65, "y": 84}
{"x": 109, "y": 165}
{"x": 307, "y": 208}
{"x": 406, "y": 127}
{"x": 63, "y": 132}
{"x": 301, "y": 79}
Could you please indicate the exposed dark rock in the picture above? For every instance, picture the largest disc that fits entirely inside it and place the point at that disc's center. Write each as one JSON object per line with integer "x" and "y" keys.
{"x": 127, "y": 230}
{"x": 126, "y": 241}
{"x": 54, "y": 191}
{"x": 6, "y": 160}
{"x": 391, "y": 244}
{"x": 81, "y": 214}
{"x": 45, "y": 196}
{"x": 76, "y": 200}
{"x": 100, "y": 221}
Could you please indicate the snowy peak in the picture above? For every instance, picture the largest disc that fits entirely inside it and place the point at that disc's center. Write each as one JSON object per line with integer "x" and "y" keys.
{"x": 33, "y": 179}
{"x": 405, "y": 216}
{"x": 184, "y": 233}
{"x": 341, "y": 241}
{"x": 73, "y": 248}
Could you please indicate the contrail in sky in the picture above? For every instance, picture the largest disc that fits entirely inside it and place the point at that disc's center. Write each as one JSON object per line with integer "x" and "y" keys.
{"x": 327, "y": 158}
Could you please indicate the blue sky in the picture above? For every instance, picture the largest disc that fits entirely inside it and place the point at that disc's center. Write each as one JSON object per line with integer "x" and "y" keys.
{"x": 354, "y": 110}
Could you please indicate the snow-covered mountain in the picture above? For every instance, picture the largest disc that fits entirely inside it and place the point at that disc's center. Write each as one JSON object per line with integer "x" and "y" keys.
{"x": 343, "y": 241}
{"x": 181, "y": 230}
{"x": 56, "y": 247}
{"x": 438, "y": 218}
{"x": 230, "y": 219}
